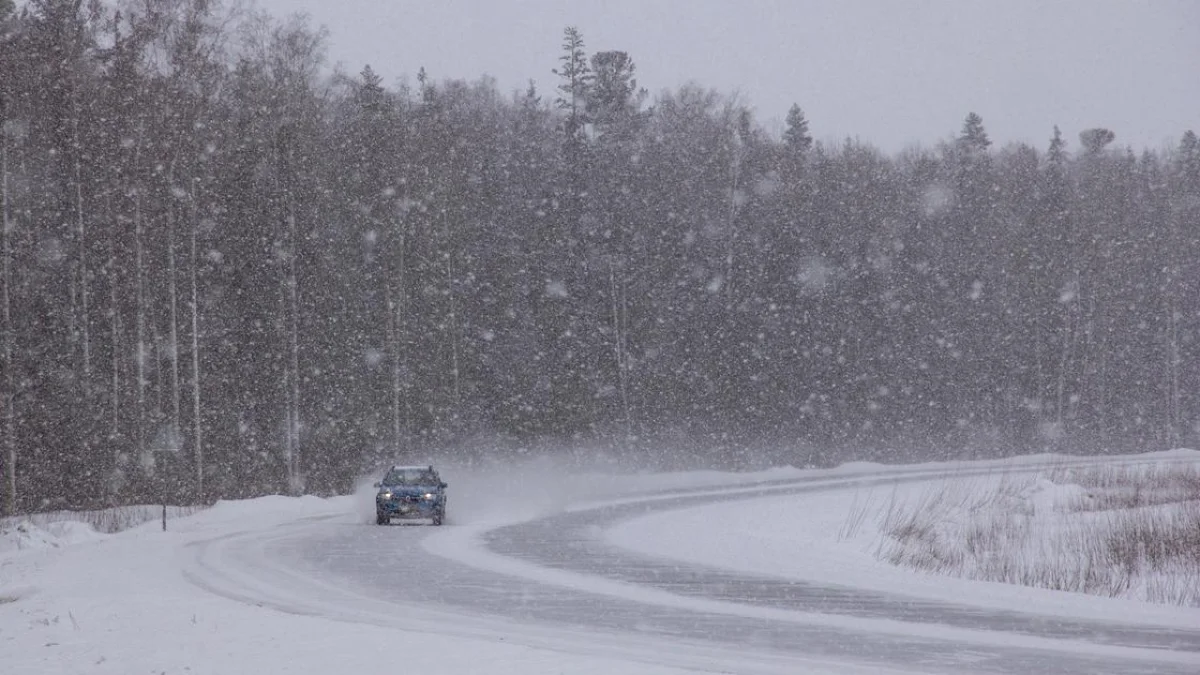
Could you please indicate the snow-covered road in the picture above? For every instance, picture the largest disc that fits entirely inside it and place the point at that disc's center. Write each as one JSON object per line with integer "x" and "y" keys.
{"x": 558, "y": 583}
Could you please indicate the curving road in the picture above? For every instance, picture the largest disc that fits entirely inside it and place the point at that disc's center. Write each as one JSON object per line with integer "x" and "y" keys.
{"x": 554, "y": 583}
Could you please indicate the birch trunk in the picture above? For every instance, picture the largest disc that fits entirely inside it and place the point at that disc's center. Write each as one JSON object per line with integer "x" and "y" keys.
{"x": 197, "y": 439}
{"x": 295, "y": 477}
{"x": 82, "y": 246}
{"x": 454, "y": 373}
{"x": 1173, "y": 375}
{"x": 10, "y": 417}
{"x": 401, "y": 412}
{"x": 115, "y": 336}
{"x": 1069, "y": 330}
{"x": 140, "y": 299}
{"x": 1173, "y": 317}
{"x": 1063, "y": 358}
{"x": 394, "y": 317}
{"x": 159, "y": 386}
{"x": 173, "y": 335}
{"x": 285, "y": 385}
{"x": 735, "y": 175}
{"x": 619, "y": 321}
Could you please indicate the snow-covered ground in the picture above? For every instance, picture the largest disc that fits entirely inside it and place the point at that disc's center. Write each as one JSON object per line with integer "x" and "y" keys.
{"x": 73, "y": 600}
{"x": 119, "y": 604}
{"x": 837, "y": 537}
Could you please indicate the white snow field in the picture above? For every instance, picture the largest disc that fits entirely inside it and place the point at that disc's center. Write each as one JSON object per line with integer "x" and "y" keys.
{"x": 835, "y": 537}
{"x": 543, "y": 571}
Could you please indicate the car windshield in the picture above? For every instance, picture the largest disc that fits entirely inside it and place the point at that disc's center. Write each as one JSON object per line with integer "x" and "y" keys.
{"x": 410, "y": 477}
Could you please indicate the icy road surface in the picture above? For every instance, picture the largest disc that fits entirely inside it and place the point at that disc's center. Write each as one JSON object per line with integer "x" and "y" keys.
{"x": 556, "y": 582}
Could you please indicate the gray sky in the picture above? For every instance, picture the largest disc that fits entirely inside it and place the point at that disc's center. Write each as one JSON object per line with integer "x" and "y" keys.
{"x": 893, "y": 73}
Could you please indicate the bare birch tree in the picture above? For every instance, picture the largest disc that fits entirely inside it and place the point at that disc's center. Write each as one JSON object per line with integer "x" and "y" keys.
{"x": 194, "y": 307}
{"x": 402, "y": 343}
{"x": 141, "y": 348}
{"x": 9, "y": 396}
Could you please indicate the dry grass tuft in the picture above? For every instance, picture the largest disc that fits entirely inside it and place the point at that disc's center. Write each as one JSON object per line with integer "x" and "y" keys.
{"x": 1130, "y": 486}
{"x": 1131, "y": 531}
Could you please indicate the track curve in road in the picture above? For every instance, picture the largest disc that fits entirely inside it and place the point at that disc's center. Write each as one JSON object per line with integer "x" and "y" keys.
{"x": 553, "y": 582}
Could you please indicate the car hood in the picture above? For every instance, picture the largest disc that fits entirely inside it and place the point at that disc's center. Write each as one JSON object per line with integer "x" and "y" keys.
{"x": 410, "y": 490}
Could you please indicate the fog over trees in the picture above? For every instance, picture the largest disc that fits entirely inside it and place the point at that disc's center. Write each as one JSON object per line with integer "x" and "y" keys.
{"x": 228, "y": 272}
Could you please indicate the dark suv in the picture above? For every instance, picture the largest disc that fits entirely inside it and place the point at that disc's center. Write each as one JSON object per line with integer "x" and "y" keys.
{"x": 410, "y": 492}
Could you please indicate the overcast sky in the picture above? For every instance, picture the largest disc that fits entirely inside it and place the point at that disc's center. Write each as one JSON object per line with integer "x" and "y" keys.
{"x": 892, "y": 72}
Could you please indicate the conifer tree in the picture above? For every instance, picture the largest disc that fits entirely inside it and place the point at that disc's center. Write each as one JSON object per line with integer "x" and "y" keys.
{"x": 795, "y": 135}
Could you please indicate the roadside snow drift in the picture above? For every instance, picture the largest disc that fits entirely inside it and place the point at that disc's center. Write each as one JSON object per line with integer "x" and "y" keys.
{"x": 842, "y": 537}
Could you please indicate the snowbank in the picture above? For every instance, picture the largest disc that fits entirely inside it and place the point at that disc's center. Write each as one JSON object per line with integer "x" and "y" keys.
{"x": 834, "y": 537}
{"x": 24, "y": 535}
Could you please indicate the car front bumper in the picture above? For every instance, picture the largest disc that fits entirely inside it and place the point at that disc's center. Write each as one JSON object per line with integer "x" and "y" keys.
{"x": 408, "y": 507}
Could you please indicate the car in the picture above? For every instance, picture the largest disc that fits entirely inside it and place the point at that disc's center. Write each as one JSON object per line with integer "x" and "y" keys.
{"x": 411, "y": 492}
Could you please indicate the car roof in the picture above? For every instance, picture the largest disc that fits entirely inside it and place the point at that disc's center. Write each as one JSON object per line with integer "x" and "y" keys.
{"x": 413, "y": 467}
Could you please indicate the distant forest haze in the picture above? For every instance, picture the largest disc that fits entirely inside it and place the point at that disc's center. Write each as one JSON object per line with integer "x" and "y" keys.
{"x": 227, "y": 273}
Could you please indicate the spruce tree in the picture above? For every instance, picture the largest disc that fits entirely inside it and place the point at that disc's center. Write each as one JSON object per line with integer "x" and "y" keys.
{"x": 796, "y": 137}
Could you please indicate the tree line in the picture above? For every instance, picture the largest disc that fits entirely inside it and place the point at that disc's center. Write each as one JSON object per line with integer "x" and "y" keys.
{"x": 228, "y": 273}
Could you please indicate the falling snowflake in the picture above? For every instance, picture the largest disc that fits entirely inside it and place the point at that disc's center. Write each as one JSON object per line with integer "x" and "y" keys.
{"x": 814, "y": 275}
{"x": 50, "y": 251}
{"x": 373, "y": 356}
{"x": 1068, "y": 293}
{"x": 935, "y": 199}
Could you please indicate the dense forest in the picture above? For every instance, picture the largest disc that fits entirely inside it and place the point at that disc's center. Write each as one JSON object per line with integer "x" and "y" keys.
{"x": 230, "y": 272}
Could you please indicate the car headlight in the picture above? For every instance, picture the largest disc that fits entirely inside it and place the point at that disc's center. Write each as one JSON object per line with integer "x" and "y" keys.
{"x": 385, "y": 495}
{"x": 428, "y": 495}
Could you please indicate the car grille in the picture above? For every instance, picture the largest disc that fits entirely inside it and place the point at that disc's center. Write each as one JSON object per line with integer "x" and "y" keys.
{"x": 410, "y": 499}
